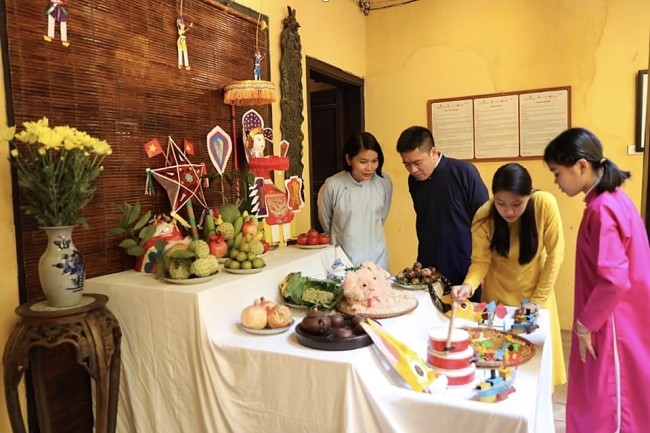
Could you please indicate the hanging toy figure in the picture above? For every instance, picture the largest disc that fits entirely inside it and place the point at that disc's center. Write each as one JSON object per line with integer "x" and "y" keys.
{"x": 181, "y": 43}
{"x": 56, "y": 13}
{"x": 257, "y": 70}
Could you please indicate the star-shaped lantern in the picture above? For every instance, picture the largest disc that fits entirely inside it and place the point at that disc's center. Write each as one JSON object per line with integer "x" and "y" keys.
{"x": 180, "y": 178}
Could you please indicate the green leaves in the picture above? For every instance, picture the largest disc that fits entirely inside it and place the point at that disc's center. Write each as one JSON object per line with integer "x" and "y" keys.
{"x": 294, "y": 287}
{"x": 136, "y": 228}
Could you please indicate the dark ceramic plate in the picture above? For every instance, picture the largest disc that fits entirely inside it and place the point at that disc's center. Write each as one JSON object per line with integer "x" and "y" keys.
{"x": 330, "y": 342}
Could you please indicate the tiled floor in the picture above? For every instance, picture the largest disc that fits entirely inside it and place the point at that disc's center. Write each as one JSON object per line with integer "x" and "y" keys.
{"x": 559, "y": 395}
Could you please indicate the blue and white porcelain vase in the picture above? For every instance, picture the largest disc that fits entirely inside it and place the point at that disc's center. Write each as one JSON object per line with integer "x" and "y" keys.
{"x": 61, "y": 268}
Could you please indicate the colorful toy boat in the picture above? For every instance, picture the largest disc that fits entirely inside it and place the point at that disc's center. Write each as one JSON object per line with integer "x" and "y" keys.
{"x": 525, "y": 320}
{"x": 497, "y": 387}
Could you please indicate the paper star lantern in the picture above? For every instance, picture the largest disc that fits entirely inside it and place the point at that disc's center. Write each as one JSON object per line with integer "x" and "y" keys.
{"x": 180, "y": 178}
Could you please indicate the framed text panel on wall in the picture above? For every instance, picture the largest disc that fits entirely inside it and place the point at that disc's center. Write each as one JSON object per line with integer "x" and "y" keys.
{"x": 641, "y": 109}
{"x": 512, "y": 125}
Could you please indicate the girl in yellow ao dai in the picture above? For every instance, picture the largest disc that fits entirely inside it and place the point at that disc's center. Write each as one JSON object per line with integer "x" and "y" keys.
{"x": 517, "y": 250}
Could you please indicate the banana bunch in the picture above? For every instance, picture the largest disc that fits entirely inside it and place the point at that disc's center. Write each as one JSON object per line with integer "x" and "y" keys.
{"x": 246, "y": 230}
{"x": 239, "y": 221}
{"x": 246, "y": 244}
{"x": 209, "y": 226}
{"x": 213, "y": 226}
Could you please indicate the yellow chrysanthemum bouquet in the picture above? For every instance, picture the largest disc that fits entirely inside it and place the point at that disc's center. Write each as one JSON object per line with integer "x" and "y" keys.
{"x": 56, "y": 167}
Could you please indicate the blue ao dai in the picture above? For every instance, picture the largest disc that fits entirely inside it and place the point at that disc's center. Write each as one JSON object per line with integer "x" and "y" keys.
{"x": 354, "y": 214}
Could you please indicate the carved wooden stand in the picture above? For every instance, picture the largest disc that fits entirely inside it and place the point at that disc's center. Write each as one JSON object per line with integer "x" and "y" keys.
{"x": 94, "y": 332}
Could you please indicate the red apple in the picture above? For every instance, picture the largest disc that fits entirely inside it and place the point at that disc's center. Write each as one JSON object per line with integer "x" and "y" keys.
{"x": 249, "y": 228}
{"x": 302, "y": 239}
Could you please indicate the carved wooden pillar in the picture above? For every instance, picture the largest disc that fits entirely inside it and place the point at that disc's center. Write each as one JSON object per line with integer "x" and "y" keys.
{"x": 291, "y": 103}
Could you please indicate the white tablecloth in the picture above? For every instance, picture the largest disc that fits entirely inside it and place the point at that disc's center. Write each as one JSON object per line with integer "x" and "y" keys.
{"x": 187, "y": 366}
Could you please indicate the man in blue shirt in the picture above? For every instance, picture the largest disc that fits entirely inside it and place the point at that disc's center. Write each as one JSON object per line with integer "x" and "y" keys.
{"x": 446, "y": 193}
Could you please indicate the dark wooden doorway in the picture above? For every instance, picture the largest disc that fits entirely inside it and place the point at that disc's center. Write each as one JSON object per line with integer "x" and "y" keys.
{"x": 335, "y": 110}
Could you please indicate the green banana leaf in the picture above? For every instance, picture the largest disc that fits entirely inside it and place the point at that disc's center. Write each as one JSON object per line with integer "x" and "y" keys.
{"x": 310, "y": 292}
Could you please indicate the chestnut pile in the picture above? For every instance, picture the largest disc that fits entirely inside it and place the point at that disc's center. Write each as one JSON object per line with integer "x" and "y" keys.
{"x": 417, "y": 274}
{"x": 319, "y": 323}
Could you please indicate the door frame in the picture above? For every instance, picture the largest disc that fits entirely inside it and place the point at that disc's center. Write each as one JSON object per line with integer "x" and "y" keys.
{"x": 353, "y": 120}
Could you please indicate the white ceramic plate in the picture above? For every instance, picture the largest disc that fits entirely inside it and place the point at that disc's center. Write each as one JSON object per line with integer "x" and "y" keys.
{"x": 244, "y": 271}
{"x": 267, "y": 331}
{"x": 192, "y": 280}
{"x": 311, "y": 247}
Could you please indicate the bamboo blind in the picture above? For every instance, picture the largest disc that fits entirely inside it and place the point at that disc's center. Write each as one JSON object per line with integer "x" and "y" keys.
{"x": 118, "y": 80}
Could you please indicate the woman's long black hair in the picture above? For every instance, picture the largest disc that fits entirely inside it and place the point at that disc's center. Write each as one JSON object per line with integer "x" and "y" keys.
{"x": 578, "y": 143}
{"x": 362, "y": 141}
{"x": 516, "y": 179}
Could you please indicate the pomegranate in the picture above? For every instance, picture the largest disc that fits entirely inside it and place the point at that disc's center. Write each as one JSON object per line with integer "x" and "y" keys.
{"x": 218, "y": 247}
{"x": 279, "y": 316}
{"x": 268, "y": 305}
{"x": 254, "y": 316}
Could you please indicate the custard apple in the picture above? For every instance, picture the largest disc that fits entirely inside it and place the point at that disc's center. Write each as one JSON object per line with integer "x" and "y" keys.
{"x": 227, "y": 229}
{"x": 179, "y": 269}
{"x": 256, "y": 247}
{"x": 200, "y": 248}
{"x": 204, "y": 267}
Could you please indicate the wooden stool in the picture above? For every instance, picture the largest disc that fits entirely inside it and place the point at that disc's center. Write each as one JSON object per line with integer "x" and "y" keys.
{"x": 94, "y": 332}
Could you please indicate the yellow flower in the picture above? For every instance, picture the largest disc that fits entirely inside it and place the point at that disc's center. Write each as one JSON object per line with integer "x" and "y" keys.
{"x": 56, "y": 167}
{"x": 7, "y": 134}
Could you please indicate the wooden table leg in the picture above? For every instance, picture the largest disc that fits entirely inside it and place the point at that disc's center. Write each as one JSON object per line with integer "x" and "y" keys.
{"x": 40, "y": 391}
{"x": 114, "y": 381}
{"x": 13, "y": 372}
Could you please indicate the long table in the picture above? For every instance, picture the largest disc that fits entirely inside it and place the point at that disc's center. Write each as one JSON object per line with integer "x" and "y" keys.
{"x": 188, "y": 366}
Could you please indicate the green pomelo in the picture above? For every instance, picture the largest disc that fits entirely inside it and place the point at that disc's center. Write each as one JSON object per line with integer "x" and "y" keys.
{"x": 229, "y": 212}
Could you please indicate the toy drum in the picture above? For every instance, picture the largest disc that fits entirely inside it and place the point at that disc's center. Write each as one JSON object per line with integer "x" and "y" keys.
{"x": 450, "y": 360}
{"x": 458, "y": 343}
{"x": 460, "y": 377}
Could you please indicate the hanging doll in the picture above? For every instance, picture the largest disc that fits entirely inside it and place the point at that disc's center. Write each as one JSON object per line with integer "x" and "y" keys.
{"x": 257, "y": 69}
{"x": 181, "y": 43}
{"x": 56, "y": 13}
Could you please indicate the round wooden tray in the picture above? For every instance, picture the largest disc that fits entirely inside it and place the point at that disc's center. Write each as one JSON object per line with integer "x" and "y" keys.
{"x": 525, "y": 353}
{"x": 329, "y": 342}
{"x": 406, "y": 305}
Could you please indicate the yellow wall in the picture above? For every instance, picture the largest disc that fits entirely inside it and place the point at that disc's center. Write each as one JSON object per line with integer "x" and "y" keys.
{"x": 446, "y": 48}
{"x": 428, "y": 50}
{"x": 9, "y": 275}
